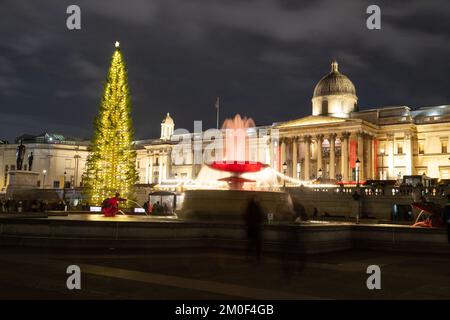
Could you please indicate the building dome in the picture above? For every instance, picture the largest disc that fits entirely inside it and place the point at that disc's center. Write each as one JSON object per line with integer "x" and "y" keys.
{"x": 334, "y": 95}
{"x": 334, "y": 83}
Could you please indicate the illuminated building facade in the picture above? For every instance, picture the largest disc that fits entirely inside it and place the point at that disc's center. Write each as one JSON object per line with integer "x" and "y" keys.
{"x": 389, "y": 142}
{"x": 59, "y": 160}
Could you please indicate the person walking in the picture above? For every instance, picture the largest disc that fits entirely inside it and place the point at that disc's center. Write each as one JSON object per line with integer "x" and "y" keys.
{"x": 447, "y": 217}
{"x": 254, "y": 217}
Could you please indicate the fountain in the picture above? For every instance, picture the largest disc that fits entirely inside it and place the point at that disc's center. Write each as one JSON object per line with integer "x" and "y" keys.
{"x": 241, "y": 180}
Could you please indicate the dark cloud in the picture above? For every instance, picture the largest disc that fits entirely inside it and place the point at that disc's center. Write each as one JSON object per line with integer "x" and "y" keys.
{"x": 262, "y": 57}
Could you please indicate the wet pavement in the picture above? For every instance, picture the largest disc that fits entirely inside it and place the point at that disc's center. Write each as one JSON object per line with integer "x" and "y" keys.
{"x": 36, "y": 273}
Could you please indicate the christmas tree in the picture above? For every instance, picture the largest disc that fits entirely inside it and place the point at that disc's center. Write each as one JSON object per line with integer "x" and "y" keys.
{"x": 111, "y": 163}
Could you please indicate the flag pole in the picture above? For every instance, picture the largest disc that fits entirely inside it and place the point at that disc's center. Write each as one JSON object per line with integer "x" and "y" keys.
{"x": 217, "y": 112}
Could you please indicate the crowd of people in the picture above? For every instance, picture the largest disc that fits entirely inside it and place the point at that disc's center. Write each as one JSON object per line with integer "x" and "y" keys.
{"x": 157, "y": 208}
{"x": 12, "y": 205}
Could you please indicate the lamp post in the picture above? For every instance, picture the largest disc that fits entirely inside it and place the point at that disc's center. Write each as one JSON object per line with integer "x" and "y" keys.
{"x": 357, "y": 192}
{"x": 357, "y": 163}
{"x": 284, "y": 174}
{"x": 44, "y": 172}
{"x": 382, "y": 164}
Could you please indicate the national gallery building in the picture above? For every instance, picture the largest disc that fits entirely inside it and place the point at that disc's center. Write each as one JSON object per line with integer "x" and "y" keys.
{"x": 388, "y": 143}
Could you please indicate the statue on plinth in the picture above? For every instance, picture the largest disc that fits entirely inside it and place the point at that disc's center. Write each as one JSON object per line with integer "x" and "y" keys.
{"x": 30, "y": 161}
{"x": 20, "y": 154}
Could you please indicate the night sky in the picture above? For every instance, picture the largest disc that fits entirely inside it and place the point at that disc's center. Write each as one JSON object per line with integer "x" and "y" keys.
{"x": 261, "y": 57}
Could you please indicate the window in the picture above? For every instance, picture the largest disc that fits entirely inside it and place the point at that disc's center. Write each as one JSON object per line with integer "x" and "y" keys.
{"x": 324, "y": 106}
{"x": 421, "y": 147}
{"x": 399, "y": 147}
{"x": 444, "y": 146}
{"x": 56, "y": 184}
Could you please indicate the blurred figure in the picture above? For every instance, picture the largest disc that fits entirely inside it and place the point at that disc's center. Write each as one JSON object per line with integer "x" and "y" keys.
{"x": 299, "y": 211}
{"x": 34, "y": 206}
{"x": 315, "y": 213}
{"x": 254, "y": 217}
{"x": 157, "y": 208}
{"x": 447, "y": 217}
{"x": 292, "y": 251}
{"x": 7, "y": 205}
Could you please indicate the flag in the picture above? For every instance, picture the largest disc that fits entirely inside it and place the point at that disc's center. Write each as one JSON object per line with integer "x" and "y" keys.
{"x": 216, "y": 105}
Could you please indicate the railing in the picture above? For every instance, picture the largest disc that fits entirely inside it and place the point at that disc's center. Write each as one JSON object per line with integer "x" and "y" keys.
{"x": 377, "y": 191}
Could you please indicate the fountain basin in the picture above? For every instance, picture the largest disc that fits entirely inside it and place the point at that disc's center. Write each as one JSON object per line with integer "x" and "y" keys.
{"x": 230, "y": 205}
{"x": 238, "y": 166}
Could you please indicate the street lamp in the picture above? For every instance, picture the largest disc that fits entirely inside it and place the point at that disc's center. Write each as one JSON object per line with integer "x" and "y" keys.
{"x": 284, "y": 174}
{"x": 357, "y": 163}
{"x": 44, "y": 172}
{"x": 357, "y": 192}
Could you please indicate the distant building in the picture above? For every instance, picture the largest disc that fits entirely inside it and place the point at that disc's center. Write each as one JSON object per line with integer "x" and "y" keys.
{"x": 389, "y": 142}
{"x": 58, "y": 159}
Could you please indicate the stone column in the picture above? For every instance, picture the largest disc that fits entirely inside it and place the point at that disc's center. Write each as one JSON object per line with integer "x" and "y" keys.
{"x": 332, "y": 139}
{"x": 168, "y": 164}
{"x": 407, "y": 149}
{"x": 319, "y": 140}
{"x": 368, "y": 156}
{"x": 307, "y": 140}
{"x": 147, "y": 160}
{"x": 160, "y": 173}
{"x": 360, "y": 155}
{"x": 282, "y": 153}
{"x": 344, "y": 155}
{"x": 373, "y": 158}
{"x": 150, "y": 176}
{"x": 391, "y": 146}
{"x": 294, "y": 157}
{"x": 269, "y": 151}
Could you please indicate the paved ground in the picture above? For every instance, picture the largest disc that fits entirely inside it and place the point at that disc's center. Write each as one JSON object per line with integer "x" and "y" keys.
{"x": 205, "y": 274}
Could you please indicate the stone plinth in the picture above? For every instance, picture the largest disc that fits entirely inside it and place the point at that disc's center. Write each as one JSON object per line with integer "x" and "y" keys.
{"x": 20, "y": 182}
